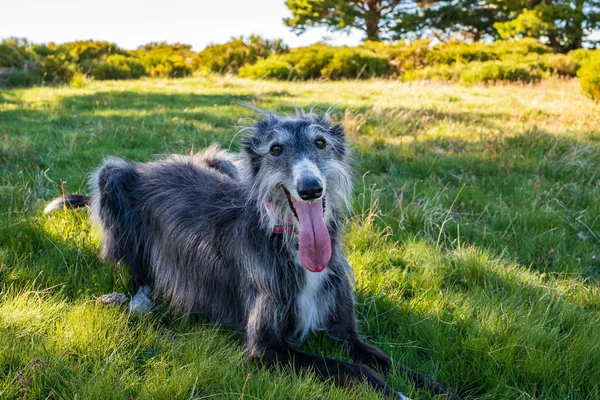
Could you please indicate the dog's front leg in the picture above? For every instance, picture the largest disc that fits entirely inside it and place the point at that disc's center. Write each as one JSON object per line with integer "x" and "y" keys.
{"x": 342, "y": 326}
{"x": 343, "y": 373}
{"x": 266, "y": 341}
{"x": 359, "y": 351}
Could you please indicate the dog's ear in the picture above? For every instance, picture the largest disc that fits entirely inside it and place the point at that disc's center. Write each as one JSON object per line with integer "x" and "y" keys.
{"x": 264, "y": 125}
{"x": 258, "y": 134}
{"x": 249, "y": 145}
{"x": 338, "y": 131}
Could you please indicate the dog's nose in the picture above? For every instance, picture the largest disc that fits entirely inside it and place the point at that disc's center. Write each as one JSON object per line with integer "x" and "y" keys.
{"x": 310, "y": 188}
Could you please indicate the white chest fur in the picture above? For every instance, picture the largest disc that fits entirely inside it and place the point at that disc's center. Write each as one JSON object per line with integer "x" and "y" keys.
{"x": 313, "y": 303}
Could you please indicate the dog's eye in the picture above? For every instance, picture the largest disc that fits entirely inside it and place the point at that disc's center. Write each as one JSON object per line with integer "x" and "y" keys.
{"x": 320, "y": 143}
{"x": 276, "y": 149}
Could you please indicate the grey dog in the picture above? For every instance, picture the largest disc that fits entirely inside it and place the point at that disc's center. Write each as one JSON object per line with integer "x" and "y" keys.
{"x": 251, "y": 241}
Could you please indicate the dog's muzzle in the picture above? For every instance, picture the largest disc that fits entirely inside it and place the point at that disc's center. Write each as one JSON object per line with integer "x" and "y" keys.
{"x": 309, "y": 188}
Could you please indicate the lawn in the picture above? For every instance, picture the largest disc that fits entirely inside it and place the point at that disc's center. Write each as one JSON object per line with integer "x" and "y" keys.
{"x": 474, "y": 235}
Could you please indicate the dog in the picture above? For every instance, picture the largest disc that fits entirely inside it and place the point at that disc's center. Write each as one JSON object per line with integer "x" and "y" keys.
{"x": 251, "y": 241}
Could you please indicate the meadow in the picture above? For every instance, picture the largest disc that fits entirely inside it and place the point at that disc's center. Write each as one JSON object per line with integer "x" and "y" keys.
{"x": 474, "y": 236}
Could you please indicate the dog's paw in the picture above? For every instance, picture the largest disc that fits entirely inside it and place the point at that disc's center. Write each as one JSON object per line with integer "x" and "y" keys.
{"x": 112, "y": 299}
{"x": 141, "y": 302}
{"x": 364, "y": 353}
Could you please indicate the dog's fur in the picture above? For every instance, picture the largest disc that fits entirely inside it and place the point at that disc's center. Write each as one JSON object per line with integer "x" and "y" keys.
{"x": 196, "y": 230}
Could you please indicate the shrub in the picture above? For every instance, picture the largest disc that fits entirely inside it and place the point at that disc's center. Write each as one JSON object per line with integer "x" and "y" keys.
{"x": 56, "y": 68}
{"x": 117, "y": 66}
{"x": 582, "y": 56}
{"x": 354, "y": 63}
{"x": 493, "y": 71}
{"x": 233, "y": 55}
{"x": 88, "y": 53}
{"x": 525, "y": 73}
{"x": 523, "y": 47}
{"x": 560, "y": 64}
{"x": 79, "y": 81}
{"x": 402, "y": 56}
{"x": 308, "y": 62}
{"x": 589, "y": 76}
{"x": 172, "y": 66}
{"x": 272, "y": 67}
{"x": 166, "y": 60}
{"x": 15, "y": 52}
{"x": 22, "y": 79}
{"x": 227, "y": 57}
{"x": 460, "y": 52}
{"x": 320, "y": 61}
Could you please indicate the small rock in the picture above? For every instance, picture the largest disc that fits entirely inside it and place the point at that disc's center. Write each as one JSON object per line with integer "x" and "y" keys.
{"x": 113, "y": 298}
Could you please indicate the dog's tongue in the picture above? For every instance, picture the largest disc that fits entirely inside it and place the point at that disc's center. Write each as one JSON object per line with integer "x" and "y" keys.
{"x": 315, "y": 244}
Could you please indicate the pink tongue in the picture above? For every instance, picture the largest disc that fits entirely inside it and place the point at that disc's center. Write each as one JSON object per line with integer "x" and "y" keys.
{"x": 315, "y": 244}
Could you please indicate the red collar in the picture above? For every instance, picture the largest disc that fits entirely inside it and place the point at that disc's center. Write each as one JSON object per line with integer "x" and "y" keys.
{"x": 280, "y": 226}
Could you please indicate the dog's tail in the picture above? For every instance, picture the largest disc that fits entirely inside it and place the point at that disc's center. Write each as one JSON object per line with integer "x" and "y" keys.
{"x": 67, "y": 201}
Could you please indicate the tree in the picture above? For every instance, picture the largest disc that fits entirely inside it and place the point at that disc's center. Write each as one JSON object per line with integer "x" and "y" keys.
{"x": 376, "y": 18}
{"x": 469, "y": 19}
{"x": 562, "y": 24}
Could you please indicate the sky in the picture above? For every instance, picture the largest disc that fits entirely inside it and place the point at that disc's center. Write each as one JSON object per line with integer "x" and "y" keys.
{"x": 131, "y": 23}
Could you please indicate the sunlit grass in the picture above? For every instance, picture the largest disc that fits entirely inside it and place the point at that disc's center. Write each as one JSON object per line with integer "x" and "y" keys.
{"x": 474, "y": 236}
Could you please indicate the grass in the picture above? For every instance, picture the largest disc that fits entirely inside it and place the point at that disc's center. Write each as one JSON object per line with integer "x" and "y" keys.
{"x": 474, "y": 237}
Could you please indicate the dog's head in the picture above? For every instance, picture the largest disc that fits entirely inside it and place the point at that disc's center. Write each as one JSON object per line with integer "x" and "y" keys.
{"x": 300, "y": 173}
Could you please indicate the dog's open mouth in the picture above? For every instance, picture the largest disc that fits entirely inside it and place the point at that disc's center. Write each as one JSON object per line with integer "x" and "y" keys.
{"x": 315, "y": 244}
{"x": 288, "y": 196}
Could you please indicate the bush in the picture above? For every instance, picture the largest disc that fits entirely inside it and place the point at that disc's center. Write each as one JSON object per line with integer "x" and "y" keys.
{"x": 88, "y": 53}
{"x": 118, "y": 67}
{"x": 460, "y": 52}
{"x": 172, "y": 66}
{"x": 15, "y": 53}
{"x": 56, "y": 68}
{"x": 402, "y": 56}
{"x": 525, "y": 73}
{"x": 320, "y": 61}
{"x": 166, "y": 60}
{"x": 494, "y": 71}
{"x": 22, "y": 79}
{"x": 233, "y": 55}
{"x": 79, "y": 81}
{"x": 589, "y": 76}
{"x": 582, "y": 56}
{"x": 272, "y": 67}
{"x": 523, "y": 60}
{"x": 308, "y": 62}
{"x": 354, "y": 63}
{"x": 522, "y": 47}
{"x": 560, "y": 64}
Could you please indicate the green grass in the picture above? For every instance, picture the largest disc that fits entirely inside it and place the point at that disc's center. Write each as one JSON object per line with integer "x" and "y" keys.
{"x": 474, "y": 237}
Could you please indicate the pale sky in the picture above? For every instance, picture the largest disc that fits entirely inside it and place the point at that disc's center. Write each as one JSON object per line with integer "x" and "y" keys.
{"x": 131, "y": 23}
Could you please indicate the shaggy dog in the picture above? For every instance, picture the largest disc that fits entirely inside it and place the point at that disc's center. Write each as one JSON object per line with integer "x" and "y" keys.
{"x": 251, "y": 241}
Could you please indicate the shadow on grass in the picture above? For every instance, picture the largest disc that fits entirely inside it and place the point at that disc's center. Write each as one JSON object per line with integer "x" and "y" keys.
{"x": 460, "y": 348}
